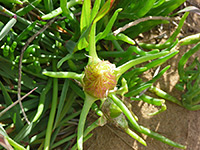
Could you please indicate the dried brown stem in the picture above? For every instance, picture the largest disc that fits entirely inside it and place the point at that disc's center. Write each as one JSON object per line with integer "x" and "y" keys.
{"x": 20, "y": 63}
{"x": 13, "y": 104}
{"x": 133, "y": 23}
{"x": 4, "y": 142}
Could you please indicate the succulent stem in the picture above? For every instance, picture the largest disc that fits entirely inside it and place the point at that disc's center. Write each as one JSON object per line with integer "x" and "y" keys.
{"x": 125, "y": 110}
{"x": 123, "y": 68}
{"x": 71, "y": 75}
{"x": 135, "y": 136}
{"x": 92, "y": 47}
{"x": 89, "y": 100}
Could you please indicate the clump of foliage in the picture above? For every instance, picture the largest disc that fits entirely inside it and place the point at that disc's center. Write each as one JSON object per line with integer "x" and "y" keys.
{"x": 189, "y": 77}
{"x": 47, "y": 39}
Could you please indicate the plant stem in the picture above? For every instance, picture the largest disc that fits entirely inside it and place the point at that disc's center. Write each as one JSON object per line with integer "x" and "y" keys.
{"x": 52, "y": 112}
{"x": 59, "y": 11}
{"x": 42, "y": 100}
{"x": 66, "y": 12}
{"x": 89, "y": 100}
{"x": 135, "y": 136}
{"x": 192, "y": 39}
{"x": 20, "y": 19}
{"x": 14, "y": 144}
{"x": 123, "y": 68}
{"x": 160, "y": 138}
{"x": 125, "y": 110}
{"x": 92, "y": 47}
{"x": 164, "y": 95}
{"x": 184, "y": 60}
{"x": 71, "y": 75}
{"x": 88, "y": 130}
{"x": 13, "y": 104}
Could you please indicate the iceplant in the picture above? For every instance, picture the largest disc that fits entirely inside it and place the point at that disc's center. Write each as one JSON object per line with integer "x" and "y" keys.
{"x": 99, "y": 81}
{"x": 100, "y": 77}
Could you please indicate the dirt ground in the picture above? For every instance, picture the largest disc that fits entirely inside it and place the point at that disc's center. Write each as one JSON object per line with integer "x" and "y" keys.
{"x": 176, "y": 123}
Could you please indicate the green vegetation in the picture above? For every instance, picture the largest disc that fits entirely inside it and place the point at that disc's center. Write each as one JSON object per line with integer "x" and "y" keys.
{"x": 69, "y": 56}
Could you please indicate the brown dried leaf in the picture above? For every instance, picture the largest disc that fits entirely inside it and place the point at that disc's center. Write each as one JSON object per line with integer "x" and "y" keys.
{"x": 4, "y": 143}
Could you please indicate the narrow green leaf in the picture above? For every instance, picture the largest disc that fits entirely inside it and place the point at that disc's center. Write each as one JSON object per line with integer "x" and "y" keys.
{"x": 28, "y": 8}
{"x": 59, "y": 11}
{"x": 48, "y": 4}
{"x": 109, "y": 26}
{"x": 125, "y": 38}
{"x": 158, "y": 3}
{"x": 67, "y": 57}
{"x": 104, "y": 10}
{"x": 83, "y": 40}
{"x": 71, "y": 75}
{"x": 177, "y": 31}
{"x": 85, "y": 15}
{"x": 14, "y": 113}
{"x": 26, "y": 31}
{"x": 7, "y": 27}
{"x": 95, "y": 9}
{"x": 145, "y": 8}
{"x": 11, "y": 1}
{"x": 61, "y": 101}
{"x": 52, "y": 14}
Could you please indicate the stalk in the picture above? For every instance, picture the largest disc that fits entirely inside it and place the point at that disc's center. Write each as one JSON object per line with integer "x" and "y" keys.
{"x": 135, "y": 136}
{"x": 92, "y": 47}
{"x": 89, "y": 100}
{"x": 14, "y": 144}
{"x": 164, "y": 95}
{"x": 52, "y": 112}
{"x": 71, "y": 75}
{"x": 160, "y": 138}
{"x": 125, "y": 110}
{"x": 123, "y": 68}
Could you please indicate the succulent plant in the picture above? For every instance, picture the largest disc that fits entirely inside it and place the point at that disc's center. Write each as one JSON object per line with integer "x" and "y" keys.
{"x": 100, "y": 77}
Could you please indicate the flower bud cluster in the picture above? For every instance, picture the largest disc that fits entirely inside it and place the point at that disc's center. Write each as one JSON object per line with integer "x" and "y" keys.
{"x": 99, "y": 79}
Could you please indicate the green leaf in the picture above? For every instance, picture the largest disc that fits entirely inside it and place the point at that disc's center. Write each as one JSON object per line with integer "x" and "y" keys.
{"x": 7, "y": 27}
{"x": 26, "y": 31}
{"x": 48, "y": 4}
{"x": 180, "y": 25}
{"x": 95, "y": 9}
{"x": 67, "y": 57}
{"x": 166, "y": 8}
{"x": 83, "y": 40}
{"x": 125, "y": 38}
{"x": 61, "y": 101}
{"x": 109, "y": 26}
{"x": 145, "y": 7}
{"x": 12, "y": 1}
{"x": 85, "y": 15}
{"x": 28, "y": 8}
{"x": 14, "y": 113}
{"x": 104, "y": 10}
{"x": 158, "y": 3}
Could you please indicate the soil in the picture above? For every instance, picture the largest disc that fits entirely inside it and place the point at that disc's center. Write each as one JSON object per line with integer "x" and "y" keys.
{"x": 176, "y": 123}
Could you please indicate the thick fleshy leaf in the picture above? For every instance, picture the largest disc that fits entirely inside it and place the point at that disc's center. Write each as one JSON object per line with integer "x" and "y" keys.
{"x": 85, "y": 15}
{"x": 109, "y": 26}
{"x": 104, "y": 10}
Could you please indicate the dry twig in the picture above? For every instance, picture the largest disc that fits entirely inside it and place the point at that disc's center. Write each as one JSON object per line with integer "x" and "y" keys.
{"x": 13, "y": 104}
{"x": 20, "y": 63}
{"x": 137, "y": 22}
